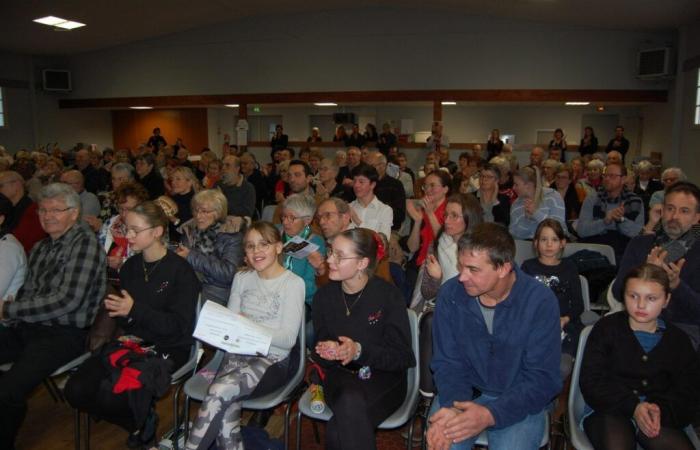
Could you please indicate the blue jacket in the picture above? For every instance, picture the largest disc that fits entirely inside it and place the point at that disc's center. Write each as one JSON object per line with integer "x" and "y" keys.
{"x": 519, "y": 363}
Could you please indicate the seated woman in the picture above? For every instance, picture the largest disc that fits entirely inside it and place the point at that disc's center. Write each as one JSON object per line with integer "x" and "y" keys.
{"x": 639, "y": 374}
{"x": 594, "y": 178}
{"x": 564, "y": 185}
{"x": 428, "y": 214}
{"x": 561, "y": 276}
{"x": 364, "y": 342}
{"x": 462, "y": 214}
{"x": 273, "y": 297}
{"x": 213, "y": 253}
{"x": 183, "y": 186}
{"x": 13, "y": 260}
{"x": 495, "y": 206}
{"x": 297, "y": 213}
{"x": 112, "y": 235}
{"x": 534, "y": 204}
{"x": 157, "y": 304}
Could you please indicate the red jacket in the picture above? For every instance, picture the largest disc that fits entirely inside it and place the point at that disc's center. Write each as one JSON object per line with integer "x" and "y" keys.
{"x": 29, "y": 231}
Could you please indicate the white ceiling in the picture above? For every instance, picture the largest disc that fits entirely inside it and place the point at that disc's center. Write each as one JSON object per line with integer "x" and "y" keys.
{"x": 115, "y": 22}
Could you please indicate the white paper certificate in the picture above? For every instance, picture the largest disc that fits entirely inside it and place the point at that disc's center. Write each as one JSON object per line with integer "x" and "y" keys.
{"x": 222, "y": 328}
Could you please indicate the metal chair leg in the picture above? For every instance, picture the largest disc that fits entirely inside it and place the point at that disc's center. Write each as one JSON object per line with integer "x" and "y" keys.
{"x": 186, "y": 416}
{"x": 287, "y": 411}
{"x": 317, "y": 438}
{"x": 87, "y": 431}
{"x": 298, "y": 436}
{"x": 176, "y": 417}
{"x": 409, "y": 441}
{"x": 50, "y": 389}
{"x": 76, "y": 429}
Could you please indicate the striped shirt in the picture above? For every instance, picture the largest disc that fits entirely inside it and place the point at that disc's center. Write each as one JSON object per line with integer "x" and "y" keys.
{"x": 65, "y": 283}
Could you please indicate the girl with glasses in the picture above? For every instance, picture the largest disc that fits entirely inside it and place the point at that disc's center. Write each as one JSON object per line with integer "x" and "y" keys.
{"x": 273, "y": 297}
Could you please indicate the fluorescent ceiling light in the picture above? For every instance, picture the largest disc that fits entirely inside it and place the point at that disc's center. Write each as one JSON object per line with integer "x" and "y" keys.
{"x": 58, "y": 22}
{"x": 449, "y": 103}
{"x": 69, "y": 25}
{"x": 578, "y": 103}
{"x": 326, "y": 104}
{"x": 50, "y": 20}
{"x": 140, "y": 107}
{"x": 233, "y": 105}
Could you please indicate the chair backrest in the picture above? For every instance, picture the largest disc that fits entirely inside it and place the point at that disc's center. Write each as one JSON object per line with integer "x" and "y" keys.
{"x": 268, "y": 213}
{"x": 417, "y": 300}
{"x": 585, "y": 293}
{"x": 523, "y": 251}
{"x": 604, "y": 250}
{"x": 190, "y": 367}
{"x": 413, "y": 373}
{"x": 576, "y": 402}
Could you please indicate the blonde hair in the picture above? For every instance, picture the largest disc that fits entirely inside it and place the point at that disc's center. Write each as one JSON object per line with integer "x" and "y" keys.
{"x": 189, "y": 176}
{"x": 531, "y": 174}
{"x": 215, "y": 198}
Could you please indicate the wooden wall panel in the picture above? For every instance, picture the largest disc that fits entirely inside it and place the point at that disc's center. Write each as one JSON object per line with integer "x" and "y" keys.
{"x": 132, "y": 128}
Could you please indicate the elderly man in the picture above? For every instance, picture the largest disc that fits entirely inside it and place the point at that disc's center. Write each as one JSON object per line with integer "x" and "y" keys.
{"x": 334, "y": 216}
{"x": 89, "y": 204}
{"x": 537, "y": 157}
{"x": 239, "y": 193}
{"x": 91, "y": 175}
{"x": 389, "y": 190}
{"x": 497, "y": 347}
{"x": 353, "y": 159}
{"x": 613, "y": 215}
{"x": 675, "y": 247}
{"x": 23, "y": 221}
{"x": 326, "y": 183}
{"x": 57, "y": 304}
{"x": 669, "y": 177}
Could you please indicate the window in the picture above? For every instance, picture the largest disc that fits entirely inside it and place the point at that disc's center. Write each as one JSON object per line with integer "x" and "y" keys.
{"x": 2, "y": 109}
{"x": 697, "y": 101}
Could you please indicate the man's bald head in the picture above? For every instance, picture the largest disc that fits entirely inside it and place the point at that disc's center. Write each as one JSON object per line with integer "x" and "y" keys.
{"x": 74, "y": 179}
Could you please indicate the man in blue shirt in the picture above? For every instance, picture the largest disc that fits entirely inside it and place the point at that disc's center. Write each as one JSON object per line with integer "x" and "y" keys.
{"x": 497, "y": 345}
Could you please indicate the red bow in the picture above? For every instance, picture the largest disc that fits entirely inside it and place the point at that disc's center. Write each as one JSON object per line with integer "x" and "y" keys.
{"x": 380, "y": 246}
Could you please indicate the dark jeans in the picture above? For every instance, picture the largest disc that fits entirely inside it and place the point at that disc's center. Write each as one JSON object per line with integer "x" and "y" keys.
{"x": 359, "y": 406}
{"x": 36, "y": 351}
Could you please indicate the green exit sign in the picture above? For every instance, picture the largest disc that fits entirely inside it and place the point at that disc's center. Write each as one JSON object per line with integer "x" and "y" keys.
{"x": 256, "y": 109}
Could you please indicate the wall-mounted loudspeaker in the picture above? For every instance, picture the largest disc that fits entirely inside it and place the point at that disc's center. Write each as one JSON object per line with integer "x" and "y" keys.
{"x": 56, "y": 80}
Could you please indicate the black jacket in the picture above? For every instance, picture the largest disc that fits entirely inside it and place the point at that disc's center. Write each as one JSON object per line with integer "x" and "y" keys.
{"x": 616, "y": 371}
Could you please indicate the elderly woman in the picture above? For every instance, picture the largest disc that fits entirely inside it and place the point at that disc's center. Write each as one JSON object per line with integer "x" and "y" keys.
{"x": 594, "y": 177}
{"x": 112, "y": 235}
{"x": 212, "y": 252}
{"x": 495, "y": 206}
{"x": 645, "y": 185}
{"x": 297, "y": 213}
{"x": 549, "y": 170}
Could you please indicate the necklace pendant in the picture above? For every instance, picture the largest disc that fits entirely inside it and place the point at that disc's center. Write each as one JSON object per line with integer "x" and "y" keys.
{"x": 347, "y": 313}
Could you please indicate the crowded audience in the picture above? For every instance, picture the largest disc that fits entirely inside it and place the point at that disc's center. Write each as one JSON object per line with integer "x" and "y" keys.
{"x": 351, "y": 236}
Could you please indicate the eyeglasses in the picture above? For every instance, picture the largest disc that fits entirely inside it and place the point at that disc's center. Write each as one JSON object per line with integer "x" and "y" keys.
{"x": 252, "y": 248}
{"x": 53, "y": 212}
{"x": 453, "y": 216}
{"x": 327, "y": 215}
{"x": 136, "y": 231}
{"x": 289, "y": 218}
{"x": 332, "y": 255}
{"x": 427, "y": 187}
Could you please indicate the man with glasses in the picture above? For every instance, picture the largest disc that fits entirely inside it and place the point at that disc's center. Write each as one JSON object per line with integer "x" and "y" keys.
{"x": 22, "y": 221}
{"x": 334, "y": 216}
{"x": 57, "y": 304}
{"x": 613, "y": 215}
{"x": 389, "y": 190}
{"x": 669, "y": 177}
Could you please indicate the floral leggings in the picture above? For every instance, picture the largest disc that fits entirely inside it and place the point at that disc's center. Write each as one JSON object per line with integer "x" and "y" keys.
{"x": 219, "y": 417}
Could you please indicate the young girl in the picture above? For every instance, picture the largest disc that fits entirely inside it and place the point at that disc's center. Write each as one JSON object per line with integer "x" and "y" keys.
{"x": 273, "y": 297}
{"x": 561, "y": 276}
{"x": 639, "y": 375}
{"x": 157, "y": 304}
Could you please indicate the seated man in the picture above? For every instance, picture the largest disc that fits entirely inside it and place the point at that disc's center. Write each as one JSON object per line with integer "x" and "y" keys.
{"x": 239, "y": 192}
{"x": 675, "y": 246}
{"x": 613, "y": 215}
{"x": 22, "y": 221}
{"x": 334, "y": 216}
{"x": 89, "y": 203}
{"x": 497, "y": 345}
{"x": 669, "y": 177}
{"x": 63, "y": 289}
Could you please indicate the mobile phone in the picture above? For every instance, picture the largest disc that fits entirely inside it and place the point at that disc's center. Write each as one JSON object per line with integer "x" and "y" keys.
{"x": 675, "y": 251}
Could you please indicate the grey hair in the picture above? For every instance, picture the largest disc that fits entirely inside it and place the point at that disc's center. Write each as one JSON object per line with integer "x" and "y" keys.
{"x": 645, "y": 165}
{"x": 302, "y": 204}
{"x": 330, "y": 162}
{"x": 125, "y": 168}
{"x": 551, "y": 163}
{"x": 381, "y": 159}
{"x": 62, "y": 191}
{"x": 595, "y": 164}
{"x": 678, "y": 171}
